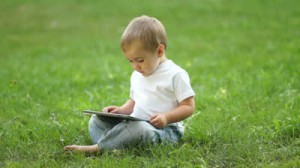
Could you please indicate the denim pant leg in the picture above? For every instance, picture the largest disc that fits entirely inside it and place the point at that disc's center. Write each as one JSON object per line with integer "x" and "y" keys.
{"x": 98, "y": 125}
{"x": 128, "y": 133}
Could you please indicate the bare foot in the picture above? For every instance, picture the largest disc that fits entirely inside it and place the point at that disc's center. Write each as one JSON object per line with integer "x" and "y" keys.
{"x": 90, "y": 148}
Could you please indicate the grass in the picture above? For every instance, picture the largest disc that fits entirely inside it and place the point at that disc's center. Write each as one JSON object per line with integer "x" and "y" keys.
{"x": 60, "y": 57}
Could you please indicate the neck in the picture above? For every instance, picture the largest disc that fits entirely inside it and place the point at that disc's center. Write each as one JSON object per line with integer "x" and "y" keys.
{"x": 163, "y": 59}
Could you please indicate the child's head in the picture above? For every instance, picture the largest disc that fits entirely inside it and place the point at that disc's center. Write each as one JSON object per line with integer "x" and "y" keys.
{"x": 149, "y": 31}
{"x": 144, "y": 42}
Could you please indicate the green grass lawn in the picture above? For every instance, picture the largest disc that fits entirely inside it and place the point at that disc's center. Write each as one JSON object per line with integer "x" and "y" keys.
{"x": 58, "y": 58}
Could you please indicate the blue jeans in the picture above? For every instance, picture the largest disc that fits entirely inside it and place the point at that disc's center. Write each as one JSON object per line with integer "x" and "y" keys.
{"x": 111, "y": 133}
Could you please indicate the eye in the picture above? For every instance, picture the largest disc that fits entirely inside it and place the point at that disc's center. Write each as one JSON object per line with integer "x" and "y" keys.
{"x": 140, "y": 60}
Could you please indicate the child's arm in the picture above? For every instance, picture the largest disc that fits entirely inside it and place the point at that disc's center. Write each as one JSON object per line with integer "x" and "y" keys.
{"x": 184, "y": 110}
{"x": 126, "y": 108}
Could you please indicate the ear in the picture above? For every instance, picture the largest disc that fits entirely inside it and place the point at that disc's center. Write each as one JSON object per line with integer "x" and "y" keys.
{"x": 160, "y": 50}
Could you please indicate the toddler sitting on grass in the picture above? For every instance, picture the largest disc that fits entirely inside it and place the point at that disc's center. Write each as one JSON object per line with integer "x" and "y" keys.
{"x": 160, "y": 92}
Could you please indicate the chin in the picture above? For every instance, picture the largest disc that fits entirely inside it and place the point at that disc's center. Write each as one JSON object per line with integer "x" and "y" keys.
{"x": 145, "y": 75}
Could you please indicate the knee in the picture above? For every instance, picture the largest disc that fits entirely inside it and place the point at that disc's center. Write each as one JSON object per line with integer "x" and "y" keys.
{"x": 93, "y": 120}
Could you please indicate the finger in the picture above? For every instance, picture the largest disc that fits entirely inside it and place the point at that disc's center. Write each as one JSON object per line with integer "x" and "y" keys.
{"x": 110, "y": 108}
{"x": 157, "y": 125}
{"x": 105, "y": 109}
{"x": 153, "y": 124}
{"x": 114, "y": 111}
{"x": 155, "y": 121}
{"x": 153, "y": 116}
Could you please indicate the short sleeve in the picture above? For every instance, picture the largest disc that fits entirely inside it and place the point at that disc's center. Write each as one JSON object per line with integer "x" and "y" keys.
{"x": 182, "y": 86}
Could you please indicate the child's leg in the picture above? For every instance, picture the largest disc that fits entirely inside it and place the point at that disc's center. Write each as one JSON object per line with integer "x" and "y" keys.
{"x": 130, "y": 133}
{"x": 115, "y": 135}
{"x": 96, "y": 128}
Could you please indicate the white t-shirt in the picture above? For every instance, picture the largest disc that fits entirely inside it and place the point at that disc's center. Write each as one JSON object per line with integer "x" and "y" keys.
{"x": 162, "y": 91}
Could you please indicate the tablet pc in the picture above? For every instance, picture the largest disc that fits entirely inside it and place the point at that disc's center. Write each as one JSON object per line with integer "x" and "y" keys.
{"x": 113, "y": 115}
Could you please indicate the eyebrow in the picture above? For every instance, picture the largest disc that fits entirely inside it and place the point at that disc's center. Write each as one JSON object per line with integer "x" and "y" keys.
{"x": 137, "y": 58}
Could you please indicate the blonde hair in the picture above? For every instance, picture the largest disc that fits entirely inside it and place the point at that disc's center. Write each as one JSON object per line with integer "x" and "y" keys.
{"x": 148, "y": 30}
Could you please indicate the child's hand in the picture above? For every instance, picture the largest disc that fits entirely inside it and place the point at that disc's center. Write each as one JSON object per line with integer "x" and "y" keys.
{"x": 112, "y": 109}
{"x": 159, "y": 120}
